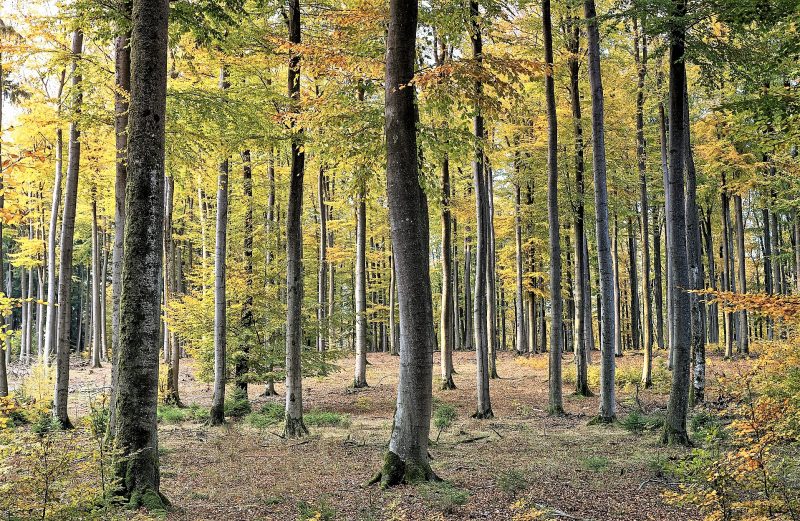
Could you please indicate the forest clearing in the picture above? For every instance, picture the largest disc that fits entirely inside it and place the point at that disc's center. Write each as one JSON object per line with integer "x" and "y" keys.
{"x": 400, "y": 259}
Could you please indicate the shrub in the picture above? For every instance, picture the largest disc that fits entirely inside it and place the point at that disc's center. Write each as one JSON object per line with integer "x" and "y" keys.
{"x": 318, "y": 418}
{"x": 237, "y": 405}
{"x": 596, "y": 463}
{"x": 321, "y": 511}
{"x": 443, "y": 417}
{"x": 512, "y": 481}
{"x": 271, "y": 413}
{"x": 638, "y": 422}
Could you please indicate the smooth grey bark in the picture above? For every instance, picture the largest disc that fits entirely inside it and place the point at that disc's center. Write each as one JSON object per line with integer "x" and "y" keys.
{"x": 247, "y": 319}
{"x": 519, "y": 302}
{"x": 407, "y": 458}
{"x": 607, "y": 366}
{"x": 727, "y": 272}
{"x": 393, "y": 340}
{"x": 122, "y": 80}
{"x": 322, "y": 270}
{"x": 469, "y": 334}
{"x": 670, "y": 323}
{"x": 743, "y": 341}
{"x": 447, "y": 331}
{"x": 491, "y": 275}
{"x": 97, "y": 318}
{"x": 713, "y": 313}
{"x": 695, "y": 258}
{"x": 675, "y": 431}
{"x": 137, "y": 399}
{"x": 633, "y": 279}
{"x": 294, "y": 426}
{"x": 269, "y": 280}
{"x": 6, "y": 350}
{"x": 360, "y": 377}
{"x": 644, "y": 206}
{"x": 617, "y": 297}
{"x": 217, "y": 416}
{"x": 480, "y": 315}
{"x": 67, "y": 234}
{"x": 172, "y": 352}
{"x": 555, "y": 399}
{"x": 658, "y": 286}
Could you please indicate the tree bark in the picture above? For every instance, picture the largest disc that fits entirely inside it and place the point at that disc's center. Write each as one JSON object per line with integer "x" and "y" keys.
{"x": 407, "y": 457}
{"x": 360, "y": 378}
{"x": 294, "y": 426}
{"x": 743, "y": 341}
{"x": 607, "y": 366}
{"x": 67, "y": 234}
{"x": 447, "y": 334}
{"x": 97, "y": 317}
{"x": 677, "y": 408}
{"x": 322, "y": 270}
{"x": 247, "y": 321}
{"x": 519, "y": 302}
{"x": 555, "y": 400}
{"x": 137, "y": 398}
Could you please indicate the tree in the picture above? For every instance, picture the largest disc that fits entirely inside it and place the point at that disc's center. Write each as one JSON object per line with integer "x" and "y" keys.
{"x": 67, "y": 235}
{"x": 677, "y": 409}
{"x": 294, "y": 426}
{"x": 556, "y": 405}
{"x": 607, "y": 367}
{"x": 407, "y": 460}
{"x": 220, "y": 293}
{"x": 447, "y": 333}
{"x": 137, "y": 398}
{"x": 360, "y": 379}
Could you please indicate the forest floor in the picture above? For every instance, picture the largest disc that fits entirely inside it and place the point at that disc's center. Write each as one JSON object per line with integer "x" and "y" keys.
{"x": 522, "y": 465}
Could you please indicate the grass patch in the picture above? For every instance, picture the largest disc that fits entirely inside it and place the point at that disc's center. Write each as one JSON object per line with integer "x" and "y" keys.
{"x": 321, "y": 511}
{"x": 443, "y": 496}
{"x": 173, "y": 414}
{"x": 512, "y": 481}
{"x": 273, "y": 414}
{"x": 318, "y": 418}
{"x": 443, "y": 417}
{"x": 638, "y": 422}
{"x": 237, "y": 405}
{"x": 596, "y": 463}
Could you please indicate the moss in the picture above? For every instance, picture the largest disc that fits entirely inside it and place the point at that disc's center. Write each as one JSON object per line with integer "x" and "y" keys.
{"x": 149, "y": 499}
{"x": 294, "y": 427}
{"x": 395, "y": 471}
{"x": 484, "y": 415}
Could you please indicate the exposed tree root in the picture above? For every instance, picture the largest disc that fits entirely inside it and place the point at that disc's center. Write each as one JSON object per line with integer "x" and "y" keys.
{"x": 395, "y": 471}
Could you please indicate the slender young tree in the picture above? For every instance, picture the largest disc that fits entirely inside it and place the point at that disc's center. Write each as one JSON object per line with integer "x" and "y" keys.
{"x": 677, "y": 409}
{"x": 519, "y": 302}
{"x": 294, "y": 426}
{"x": 407, "y": 459}
{"x": 97, "y": 318}
{"x": 447, "y": 334}
{"x": 247, "y": 321}
{"x": 484, "y": 409}
{"x": 360, "y": 378}
{"x": 67, "y": 235}
{"x": 137, "y": 397}
{"x": 608, "y": 403}
{"x": 555, "y": 405}
{"x": 743, "y": 340}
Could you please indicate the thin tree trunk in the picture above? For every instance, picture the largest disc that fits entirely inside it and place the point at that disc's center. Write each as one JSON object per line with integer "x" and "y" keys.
{"x": 617, "y": 297}
{"x": 607, "y": 367}
{"x": 247, "y": 321}
{"x": 633, "y": 279}
{"x": 294, "y": 426}
{"x": 744, "y": 344}
{"x": 6, "y": 351}
{"x": 97, "y": 336}
{"x": 67, "y": 234}
{"x": 521, "y": 337}
{"x": 658, "y": 286}
{"x": 322, "y": 271}
{"x": 136, "y": 434}
{"x": 360, "y": 378}
{"x": 447, "y": 333}
{"x": 727, "y": 275}
{"x": 555, "y": 400}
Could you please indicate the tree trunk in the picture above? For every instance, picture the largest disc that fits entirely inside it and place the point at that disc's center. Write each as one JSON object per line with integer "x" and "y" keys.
{"x": 491, "y": 275}
{"x": 617, "y": 296}
{"x": 67, "y": 234}
{"x": 122, "y": 80}
{"x": 407, "y": 457}
{"x": 360, "y": 378}
{"x": 633, "y": 279}
{"x": 727, "y": 275}
{"x": 658, "y": 286}
{"x": 6, "y": 350}
{"x": 393, "y": 341}
{"x": 484, "y": 407}
{"x": 744, "y": 344}
{"x": 322, "y": 271}
{"x": 172, "y": 354}
{"x": 677, "y": 408}
{"x": 607, "y": 366}
{"x": 247, "y": 321}
{"x": 217, "y": 416}
{"x": 521, "y": 337}
{"x": 294, "y": 426}
{"x": 555, "y": 400}
{"x": 447, "y": 335}
{"x": 137, "y": 398}
{"x": 97, "y": 318}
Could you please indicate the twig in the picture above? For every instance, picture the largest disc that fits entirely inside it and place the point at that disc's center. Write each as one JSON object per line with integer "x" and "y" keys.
{"x": 470, "y": 440}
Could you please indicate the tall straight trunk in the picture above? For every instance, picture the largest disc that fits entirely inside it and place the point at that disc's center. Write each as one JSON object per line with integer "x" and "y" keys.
{"x": 331, "y": 268}
{"x": 322, "y": 269}
{"x": 122, "y": 80}
{"x": 447, "y": 334}
{"x": 775, "y": 247}
{"x": 23, "y": 340}
{"x": 644, "y": 206}
{"x": 695, "y": 258}
{"x": 713, "y": 315}
{"x": 555, "y": 400}
{"x": 484, "y": 406}
{"x": 294, "y": 426}
{"x": 796, "y": 248}
{"x": 677, "y": 408}
{"x": 469, "y": 334}
{"x": 458, "y": 340}
{"x": 269, "y": 280}
{"x": 531, "y": 322}
{"x": 491, "y": 276}
{"x": 617, "y": 296}
{"x": 393, "y": 340}
{"x": 607, "y": 366}
{"x": 521, "y": 337}
{"x": 97, "y": 318}
{"x": 137, "y": 399}
{"x": 407, "y": 458}
{"x": 67, "y": 234}
{"x": 247, "y": 321}
{"x": 658, "y": 285}
{"x": 727, "y": 275}
{"x": 217, "y": 416}
{"x": 667, "y": 225}
{"x": 172, "y": 354}
{"x": 40, "y": 274}
{"x": 581, "y": 297}
{"x": 633, "y": 279}
{"x": 103, "y": 292}
{"x": 744, "y": 344}
{"x": 360, "y": 378}
{"x": 6, "y": 350}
